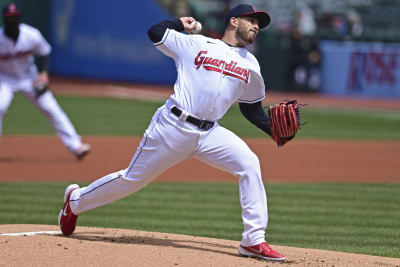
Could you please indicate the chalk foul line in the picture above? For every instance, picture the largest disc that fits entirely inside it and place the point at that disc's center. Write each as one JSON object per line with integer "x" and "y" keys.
{"x": 32, "y": 233}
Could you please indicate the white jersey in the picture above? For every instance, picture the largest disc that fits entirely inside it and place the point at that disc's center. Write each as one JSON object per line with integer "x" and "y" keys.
{"x": 211, "y": 74}
{"x": 211, "y": 77}
{"x": 16, "y": 58}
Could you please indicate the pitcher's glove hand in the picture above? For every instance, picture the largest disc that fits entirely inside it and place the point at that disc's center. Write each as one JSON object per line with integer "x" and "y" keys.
{"x": 40, "y": 89}
{"x": 284, "y": 121}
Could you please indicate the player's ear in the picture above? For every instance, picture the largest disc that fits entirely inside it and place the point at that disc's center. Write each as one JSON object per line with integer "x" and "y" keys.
{"x": 234, "y": 21}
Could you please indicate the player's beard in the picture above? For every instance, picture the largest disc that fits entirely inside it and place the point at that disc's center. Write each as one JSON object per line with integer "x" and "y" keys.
{"x": 11, "y": 27}
{"x": 246, "y": 35}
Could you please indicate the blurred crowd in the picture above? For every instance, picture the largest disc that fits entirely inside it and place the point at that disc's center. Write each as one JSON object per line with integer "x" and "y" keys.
{"x": 305, "y": 31}
{"x": 304, "y": 19}
{"x": 210, "y": 12}
{"x": 301, "y": 23}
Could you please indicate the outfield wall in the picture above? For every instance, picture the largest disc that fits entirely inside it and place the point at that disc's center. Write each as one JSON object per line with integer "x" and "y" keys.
{"x": 361, "y": 69}
{"x": 107, "y": 40}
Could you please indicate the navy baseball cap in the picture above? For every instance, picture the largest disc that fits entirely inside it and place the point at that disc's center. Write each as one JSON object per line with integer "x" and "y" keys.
{"x": 11, "y": 10}
{"x": 244, "y": 10}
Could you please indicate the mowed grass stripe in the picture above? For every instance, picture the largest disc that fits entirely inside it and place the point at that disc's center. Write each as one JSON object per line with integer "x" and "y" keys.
{"x": 357, "y": 218}
{"x": 105, "y": 116}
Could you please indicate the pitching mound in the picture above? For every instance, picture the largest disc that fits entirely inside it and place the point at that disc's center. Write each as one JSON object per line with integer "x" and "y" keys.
{"x": 118, "y": 247}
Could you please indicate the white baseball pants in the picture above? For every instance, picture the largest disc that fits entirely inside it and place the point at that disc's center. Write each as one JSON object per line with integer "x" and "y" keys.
{"x": 169, "y": 140}
{"x": 48, "y": 105}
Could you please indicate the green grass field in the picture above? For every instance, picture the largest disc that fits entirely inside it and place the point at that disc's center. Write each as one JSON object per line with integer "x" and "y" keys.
{"x": 359, "y": 218}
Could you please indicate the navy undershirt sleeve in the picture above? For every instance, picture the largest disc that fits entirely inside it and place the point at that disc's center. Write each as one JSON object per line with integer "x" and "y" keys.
{"x": 255, "y": 114}
{"x": 156, "y": 32}
{"x": 42, "y": 63}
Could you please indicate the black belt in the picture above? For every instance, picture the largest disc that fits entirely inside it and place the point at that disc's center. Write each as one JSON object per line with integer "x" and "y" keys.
{"x": 201, "y": 124}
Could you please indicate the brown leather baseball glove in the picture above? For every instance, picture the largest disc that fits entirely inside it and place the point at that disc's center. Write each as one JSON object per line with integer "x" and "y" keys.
{"x": 284, "y": 121}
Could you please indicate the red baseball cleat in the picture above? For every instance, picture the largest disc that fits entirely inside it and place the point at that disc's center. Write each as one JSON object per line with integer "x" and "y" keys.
{"x": 262, "y": 251}
{"x": 66, "y": 219}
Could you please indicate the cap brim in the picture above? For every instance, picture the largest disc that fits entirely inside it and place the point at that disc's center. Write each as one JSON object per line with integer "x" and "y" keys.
{"x": 263, "y": 18}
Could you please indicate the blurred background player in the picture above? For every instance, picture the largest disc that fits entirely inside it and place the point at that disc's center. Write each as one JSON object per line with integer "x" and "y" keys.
{"x": 19, "y": 45}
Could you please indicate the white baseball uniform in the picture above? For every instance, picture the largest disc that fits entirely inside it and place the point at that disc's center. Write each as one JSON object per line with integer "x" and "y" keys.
{"x": 18, "y": 73}
{"x": 211, "y": 77}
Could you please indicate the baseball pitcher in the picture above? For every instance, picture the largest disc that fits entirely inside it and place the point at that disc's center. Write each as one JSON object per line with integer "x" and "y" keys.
{"x": 212, "y": 75}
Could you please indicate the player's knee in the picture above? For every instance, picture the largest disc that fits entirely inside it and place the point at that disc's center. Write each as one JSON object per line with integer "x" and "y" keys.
{"x": 250, "y": 163}
{"x": 46, "y": 111}
{"x": 3, "y": 110}
{"x": 139, "y": 179}
{"x": 126, "y": 176}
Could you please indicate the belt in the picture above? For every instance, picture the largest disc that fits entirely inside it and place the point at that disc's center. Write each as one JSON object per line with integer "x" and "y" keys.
{"x": 201, "y": 124}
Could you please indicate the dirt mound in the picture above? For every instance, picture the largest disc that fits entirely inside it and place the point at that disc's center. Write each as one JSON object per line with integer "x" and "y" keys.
{"x": 119, "y": 247}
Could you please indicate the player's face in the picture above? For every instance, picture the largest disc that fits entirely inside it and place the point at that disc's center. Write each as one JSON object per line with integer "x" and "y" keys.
{"x": 11, "y": 21}
{"x": 247, "y": 29}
